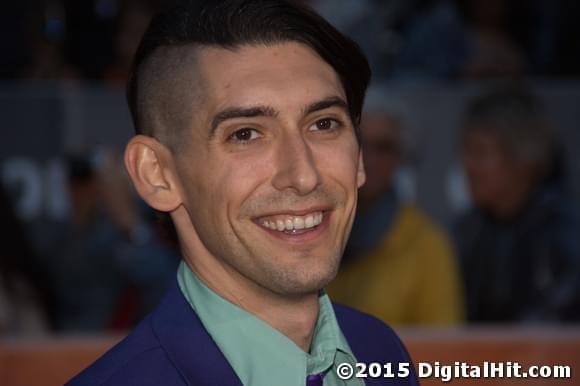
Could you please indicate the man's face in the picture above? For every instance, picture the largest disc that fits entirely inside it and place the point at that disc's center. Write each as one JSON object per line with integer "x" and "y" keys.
{"x": 270, "y": 167}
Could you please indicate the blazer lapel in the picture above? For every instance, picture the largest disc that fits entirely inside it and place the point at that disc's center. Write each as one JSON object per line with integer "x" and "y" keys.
{"x": 187, "y": 343}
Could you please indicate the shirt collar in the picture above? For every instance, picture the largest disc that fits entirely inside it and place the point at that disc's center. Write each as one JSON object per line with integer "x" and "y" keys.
{"x": 258, "y": 353}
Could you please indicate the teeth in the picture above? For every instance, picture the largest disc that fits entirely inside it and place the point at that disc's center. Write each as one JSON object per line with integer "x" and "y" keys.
{"x": 280, "y": 225}
{"x": 298, "y": 223}
{"x": 290, "y": 223}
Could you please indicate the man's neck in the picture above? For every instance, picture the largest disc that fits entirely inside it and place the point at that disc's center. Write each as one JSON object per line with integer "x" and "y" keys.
{"x": 293, "y": 316}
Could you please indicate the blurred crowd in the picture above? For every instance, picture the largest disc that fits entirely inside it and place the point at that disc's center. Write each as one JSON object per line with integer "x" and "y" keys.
{"x": 513, "y": 256}
{"x": 412, "y": 40}
{"x": 101, "y": 268}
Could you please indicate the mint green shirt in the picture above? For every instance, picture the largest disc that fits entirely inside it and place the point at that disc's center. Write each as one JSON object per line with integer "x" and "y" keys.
{"x": 257, "y": 352}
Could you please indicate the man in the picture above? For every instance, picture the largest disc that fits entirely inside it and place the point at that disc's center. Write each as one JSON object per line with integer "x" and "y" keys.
{"x": 247, "y": 113}
{"x": 394, "y": 248}
{"x": 519, "y": 243}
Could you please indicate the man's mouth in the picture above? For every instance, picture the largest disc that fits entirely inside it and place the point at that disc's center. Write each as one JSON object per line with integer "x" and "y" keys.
{"x": 292, "y": 224}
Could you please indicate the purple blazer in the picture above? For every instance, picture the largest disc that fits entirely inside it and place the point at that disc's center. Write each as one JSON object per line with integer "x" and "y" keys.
{"x": 171, "y": 347}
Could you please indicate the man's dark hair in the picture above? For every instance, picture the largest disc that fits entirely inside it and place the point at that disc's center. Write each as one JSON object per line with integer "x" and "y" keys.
{"x": 230, "y": 24}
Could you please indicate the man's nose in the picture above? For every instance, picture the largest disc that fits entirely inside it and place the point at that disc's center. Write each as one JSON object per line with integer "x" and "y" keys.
{"x": 296, "y": 166}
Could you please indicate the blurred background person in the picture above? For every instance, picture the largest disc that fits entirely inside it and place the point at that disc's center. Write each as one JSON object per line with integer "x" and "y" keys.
{"x": 86, "y": 279}
{"x": 398, "y": 265}
{"x": 373, "y": 24}
{"x": 108, "y": 268}
{"x": 131, "y": 23}
{"x": 434, "y": 44}
{"x": 519, "y": 244}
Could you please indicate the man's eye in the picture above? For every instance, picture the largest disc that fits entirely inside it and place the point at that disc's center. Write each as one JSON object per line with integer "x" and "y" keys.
{"x": 244, "y": 135}
{"x": 325, "y": 124}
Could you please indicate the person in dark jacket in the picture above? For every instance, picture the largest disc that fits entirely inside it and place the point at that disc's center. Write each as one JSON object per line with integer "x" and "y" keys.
{"x": 519, "y": 244}
{"x": 247, "y": 115}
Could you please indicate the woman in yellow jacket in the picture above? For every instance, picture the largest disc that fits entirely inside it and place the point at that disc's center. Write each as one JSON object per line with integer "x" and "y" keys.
{"x": 409, "y": 277}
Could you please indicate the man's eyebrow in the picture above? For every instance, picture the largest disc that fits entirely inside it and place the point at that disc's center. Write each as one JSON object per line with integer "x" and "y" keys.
{"x": 267, "y": 111}
{"x": 333, "y": 101}
{"x": 240, "y": 112}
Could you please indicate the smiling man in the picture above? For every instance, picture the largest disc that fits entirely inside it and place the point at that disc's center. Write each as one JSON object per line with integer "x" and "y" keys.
{"x": 247, "y": 116}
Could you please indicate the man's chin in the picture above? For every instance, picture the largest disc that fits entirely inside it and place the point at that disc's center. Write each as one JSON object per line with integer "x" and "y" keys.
{"x": 304, "y": 284}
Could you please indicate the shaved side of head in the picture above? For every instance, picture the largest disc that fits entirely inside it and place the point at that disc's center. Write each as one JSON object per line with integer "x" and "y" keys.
{"x": 171, "y": 88}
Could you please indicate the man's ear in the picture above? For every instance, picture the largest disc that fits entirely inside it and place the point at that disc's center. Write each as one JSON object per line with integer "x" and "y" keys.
{"x": 150, "y": 166}
{"x": 361, "y": 176}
